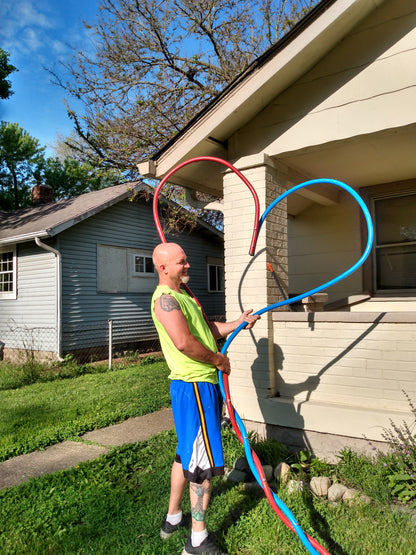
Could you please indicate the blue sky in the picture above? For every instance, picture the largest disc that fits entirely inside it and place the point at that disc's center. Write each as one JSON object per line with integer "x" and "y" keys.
{"x": 37, "y": 34}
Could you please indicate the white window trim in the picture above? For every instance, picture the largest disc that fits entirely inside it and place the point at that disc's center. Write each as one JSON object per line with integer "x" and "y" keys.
{"x": 10, "y": 294}
{"x": 141, "y": 274}
{"x": 379, "y": 291}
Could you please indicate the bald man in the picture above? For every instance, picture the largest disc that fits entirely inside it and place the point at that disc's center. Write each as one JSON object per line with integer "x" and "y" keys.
{"x": 189, "y": 345}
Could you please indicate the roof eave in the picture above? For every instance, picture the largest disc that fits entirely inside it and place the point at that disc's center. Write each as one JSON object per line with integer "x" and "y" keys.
{"x": 308, "y": 41}
{"x": 24, "y": 237}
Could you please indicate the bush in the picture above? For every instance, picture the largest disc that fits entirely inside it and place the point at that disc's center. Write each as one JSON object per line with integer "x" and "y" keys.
{"x": 400, "y": 462}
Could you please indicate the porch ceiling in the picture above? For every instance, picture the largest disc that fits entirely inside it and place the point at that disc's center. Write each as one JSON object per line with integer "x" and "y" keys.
{"x": 360, "y": 161}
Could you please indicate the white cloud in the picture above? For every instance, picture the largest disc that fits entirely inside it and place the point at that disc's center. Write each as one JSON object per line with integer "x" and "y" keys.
{"x": 34, "y": 33}
{"x": 20, "y": 15}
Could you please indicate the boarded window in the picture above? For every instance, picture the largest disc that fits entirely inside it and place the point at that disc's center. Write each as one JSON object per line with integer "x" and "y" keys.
{"x": 124, "y": 270}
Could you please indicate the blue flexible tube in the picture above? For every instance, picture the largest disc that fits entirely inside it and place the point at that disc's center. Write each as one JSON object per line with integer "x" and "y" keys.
{"x": 360, "y": 261}
{"x": 271, "y": 496}
{"x": 370, "y": 237}
{"x": 247, "y": 449}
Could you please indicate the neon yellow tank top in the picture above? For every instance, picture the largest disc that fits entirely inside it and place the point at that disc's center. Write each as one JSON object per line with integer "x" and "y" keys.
{"x": 181, "y": 366}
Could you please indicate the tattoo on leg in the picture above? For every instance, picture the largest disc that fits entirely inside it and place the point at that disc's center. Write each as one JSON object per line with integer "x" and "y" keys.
{"x": 168, "y": 303}
{"x": 198, "y": 511}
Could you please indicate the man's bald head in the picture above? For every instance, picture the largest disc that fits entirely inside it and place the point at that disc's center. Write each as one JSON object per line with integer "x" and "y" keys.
{"x": 169, "y": 260}
{"x": 165, "y": 252}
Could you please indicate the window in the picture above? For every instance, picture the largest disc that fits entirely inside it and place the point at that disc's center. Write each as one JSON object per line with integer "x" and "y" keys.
{"x": 215, "y": 277}
{"x": 143, "y": 265}
{"x": 395, "y": 242}
{"x": 7, "y": 273}
{"x": 124, "y": 270}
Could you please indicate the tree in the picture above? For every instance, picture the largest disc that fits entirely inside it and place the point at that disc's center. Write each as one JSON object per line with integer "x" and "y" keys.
{"x": 23, "y": 164}
{"x": 5, "y": 70}
{"x": 19, "y": 154}
{"x": 158, "y": 62}
{"x": 70, "y": 177}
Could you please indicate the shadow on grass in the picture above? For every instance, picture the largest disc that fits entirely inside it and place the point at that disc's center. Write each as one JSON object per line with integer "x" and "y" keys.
{"x": 320, "y": 525}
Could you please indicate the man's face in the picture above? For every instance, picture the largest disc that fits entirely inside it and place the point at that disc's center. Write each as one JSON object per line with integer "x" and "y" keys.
{"x": 177, "y": 267}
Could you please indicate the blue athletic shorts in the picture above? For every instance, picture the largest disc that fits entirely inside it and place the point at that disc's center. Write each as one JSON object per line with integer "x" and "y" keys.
{"x": 196, "y": 410}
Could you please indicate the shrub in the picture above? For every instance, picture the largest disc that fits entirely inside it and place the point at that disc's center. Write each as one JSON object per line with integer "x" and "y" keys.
{"x": 400, "y": 462}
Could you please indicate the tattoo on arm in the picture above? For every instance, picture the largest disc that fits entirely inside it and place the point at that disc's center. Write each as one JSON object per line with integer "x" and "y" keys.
{"x": 168, "y": 303}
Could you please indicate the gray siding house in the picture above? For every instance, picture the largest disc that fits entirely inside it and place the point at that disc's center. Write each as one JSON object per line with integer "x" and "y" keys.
{"x": 68, "y": 267}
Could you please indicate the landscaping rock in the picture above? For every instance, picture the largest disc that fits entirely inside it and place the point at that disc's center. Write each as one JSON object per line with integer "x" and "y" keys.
{"x": 336, "y": 491}
{"x": 242, "y": 464}
{"x": 268, "y": 471}
{"x": 351, "y": 495}
{"x": 237, "y": 476}
{"x": 320, "y": 485}
{"x": 282, "y": 472}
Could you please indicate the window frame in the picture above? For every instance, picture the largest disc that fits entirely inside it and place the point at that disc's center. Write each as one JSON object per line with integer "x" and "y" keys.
{"x": 370, "y": 196}
{"x": 217, "y": 263}
{"x": 10, "y": 294}
{"x": 143, "y": 274}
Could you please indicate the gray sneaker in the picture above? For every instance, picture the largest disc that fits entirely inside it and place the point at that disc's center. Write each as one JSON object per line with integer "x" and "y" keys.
{"x": 168, "y": 529}
{"x": 207, "y": 547}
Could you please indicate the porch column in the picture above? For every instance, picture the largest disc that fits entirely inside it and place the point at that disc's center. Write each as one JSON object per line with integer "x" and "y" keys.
{"x": 249, "y": 283}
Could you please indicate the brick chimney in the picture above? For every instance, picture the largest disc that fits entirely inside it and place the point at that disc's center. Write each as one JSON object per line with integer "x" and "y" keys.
{"x": 41, "y": 194}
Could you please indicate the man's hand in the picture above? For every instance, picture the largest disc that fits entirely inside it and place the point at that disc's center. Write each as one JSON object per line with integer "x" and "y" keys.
{"x": 251, "y": 319}
{"x": 221, "y": 329}
{"x": 223, "y": 363}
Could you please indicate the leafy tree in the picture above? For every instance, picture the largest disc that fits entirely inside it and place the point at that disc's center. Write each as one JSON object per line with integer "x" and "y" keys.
{"x": 5, "y": 70}
{"x": 19, "y": 154}
{"x": 70, "y": 177}
{"x": 23, "y": 164}
{"x": 158, "y": 62}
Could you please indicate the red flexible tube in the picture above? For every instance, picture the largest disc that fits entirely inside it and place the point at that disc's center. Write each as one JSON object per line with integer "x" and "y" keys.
{"x": 230, "y": 408}
{"x": 262, "y": 476}
{"x": 224, "y": 163}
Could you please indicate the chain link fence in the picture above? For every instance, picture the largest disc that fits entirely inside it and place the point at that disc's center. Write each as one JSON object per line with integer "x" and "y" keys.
{"x": 102, "y": 341}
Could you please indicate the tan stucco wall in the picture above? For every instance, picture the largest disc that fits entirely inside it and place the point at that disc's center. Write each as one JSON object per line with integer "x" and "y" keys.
{"x": 323, "y": 242}
{"x": 340, "y": 378}
{"x": 363, "y": 86}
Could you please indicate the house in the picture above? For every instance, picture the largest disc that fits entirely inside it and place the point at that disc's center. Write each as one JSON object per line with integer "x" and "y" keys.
{"x": 68, "y": 267}
{"x": 335, "y": 98}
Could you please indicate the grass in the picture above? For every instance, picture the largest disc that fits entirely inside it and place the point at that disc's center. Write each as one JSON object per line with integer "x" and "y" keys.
{"x": 44, "y": 413}
{"x": 116, "y": 503}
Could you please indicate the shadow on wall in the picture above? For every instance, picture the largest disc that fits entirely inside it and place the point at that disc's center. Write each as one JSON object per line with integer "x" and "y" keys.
{"x": 293, "y": 433}
{"x": 293, "y": 436}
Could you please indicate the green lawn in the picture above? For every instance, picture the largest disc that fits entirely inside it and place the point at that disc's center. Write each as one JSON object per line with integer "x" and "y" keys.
{"x": 41, "y": 414}
{"x": 115, "y": 505}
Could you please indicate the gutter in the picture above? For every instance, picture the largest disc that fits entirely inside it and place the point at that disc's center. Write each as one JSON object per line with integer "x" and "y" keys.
{"x": 58, "y": 262}
{"x": 23, "y": 237}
